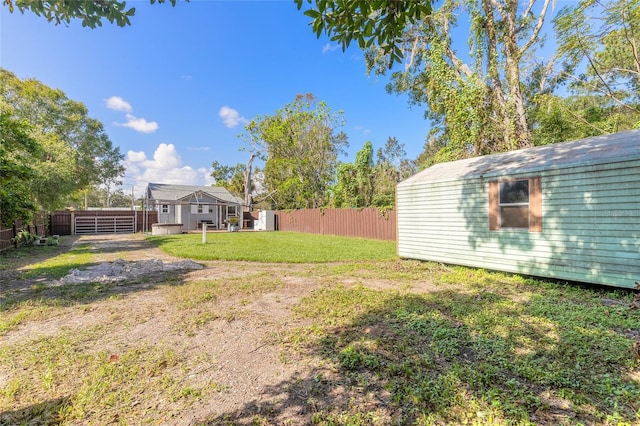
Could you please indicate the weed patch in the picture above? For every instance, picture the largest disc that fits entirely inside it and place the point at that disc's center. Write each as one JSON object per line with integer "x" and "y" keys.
{"x": 546, "y": 353}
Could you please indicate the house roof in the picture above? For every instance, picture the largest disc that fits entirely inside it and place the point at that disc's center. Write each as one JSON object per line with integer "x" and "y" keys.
{"x": 623, "y": 146}
{"x": 167, "y": 192}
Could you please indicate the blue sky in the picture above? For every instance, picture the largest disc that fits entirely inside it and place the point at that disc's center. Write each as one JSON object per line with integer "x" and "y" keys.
{"x": 175, "y": 88}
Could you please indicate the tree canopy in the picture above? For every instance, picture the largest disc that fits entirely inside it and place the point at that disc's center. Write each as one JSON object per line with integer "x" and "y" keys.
{"x": 89, "y": 12}
{"x": 300, "y": 144}
{"x": 370, "y": 182}
{"x": 496, "y": 94}
{"x": 599, "y": 46}
{"x": 71, "y": 150}
{"x": 17, "y": 149}
{"x": 229, "y": 177}
{"x": 370, "y": 23}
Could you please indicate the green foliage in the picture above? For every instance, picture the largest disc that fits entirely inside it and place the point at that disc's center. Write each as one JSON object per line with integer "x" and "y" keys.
{"x": 301, "y": 147}
{"x": 561, "y": 119}
{"x": 369, "y": 22}
{"x": 476, "y": 106}
{"x": 354, "y": 187}
{"x": 391, "y": 167}
{"x": 89, "y": 12}
{"x": 24, "y": 238}
{"x": 18, "y": 157}
{"x": 479, "y": 348}
{"x": 603, "y": 38}
{"x": 229, "y": 177}
{"x": 99, "y": 196}
{"x": 368, "y": 184}
{"x": 74, "y": 151}
{"x": 288, "y": 247}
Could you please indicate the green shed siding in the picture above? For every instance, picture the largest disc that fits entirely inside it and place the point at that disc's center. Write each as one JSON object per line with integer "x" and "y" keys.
{"x": 590, "y": 224}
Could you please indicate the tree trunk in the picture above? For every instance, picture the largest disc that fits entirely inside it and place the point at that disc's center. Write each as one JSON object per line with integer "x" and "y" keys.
{"x": 247, "y": 183}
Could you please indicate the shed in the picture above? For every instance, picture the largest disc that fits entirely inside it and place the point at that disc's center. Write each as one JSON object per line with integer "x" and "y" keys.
{"x": 192, "y": 206}
{"x": 567, "y": 211}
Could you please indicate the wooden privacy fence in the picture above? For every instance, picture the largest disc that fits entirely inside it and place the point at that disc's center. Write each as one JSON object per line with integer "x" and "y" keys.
{"x": 38, "y": 226}
{"x": 364, "y": 223}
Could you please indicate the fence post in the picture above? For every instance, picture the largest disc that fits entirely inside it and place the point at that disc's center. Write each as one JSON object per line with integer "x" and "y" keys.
{"x": 14, "y": 231}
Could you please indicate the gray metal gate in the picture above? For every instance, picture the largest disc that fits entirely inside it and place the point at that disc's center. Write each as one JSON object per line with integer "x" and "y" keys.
{"x": 105, "y": 225}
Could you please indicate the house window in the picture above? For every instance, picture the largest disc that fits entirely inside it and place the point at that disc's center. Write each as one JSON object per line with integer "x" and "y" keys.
{"x": 232, "y": 211}
{"x": 210, "y": 209}
{"x": 164, "y": 208}
{"x": 515, "y": 204}
{"x": 200, "y": 208}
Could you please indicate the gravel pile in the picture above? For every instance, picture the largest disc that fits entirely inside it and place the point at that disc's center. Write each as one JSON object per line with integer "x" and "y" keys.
{"x": 122, "y": 270}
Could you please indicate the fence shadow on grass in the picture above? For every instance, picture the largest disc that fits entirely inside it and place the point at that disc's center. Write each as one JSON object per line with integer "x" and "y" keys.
{"x": 451, "y": 357}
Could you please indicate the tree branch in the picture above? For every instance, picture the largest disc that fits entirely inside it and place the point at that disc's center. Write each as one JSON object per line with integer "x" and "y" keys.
{"x": 536, "y": 31}
{"x": 632, "y": 42}
{"x": 607, "y": 92}
{"x": 527, "y": 12}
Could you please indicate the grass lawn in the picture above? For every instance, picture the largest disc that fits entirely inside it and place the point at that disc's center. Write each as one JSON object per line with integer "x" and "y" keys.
{"x": 391, "y": 341}
{"x": 280, "y": 247}
{"x": 487, "y": 348}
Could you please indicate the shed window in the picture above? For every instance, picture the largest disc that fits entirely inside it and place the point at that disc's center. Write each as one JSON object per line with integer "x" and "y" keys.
{"x": 164, "y": 208}
{"x": 515, "y": 204}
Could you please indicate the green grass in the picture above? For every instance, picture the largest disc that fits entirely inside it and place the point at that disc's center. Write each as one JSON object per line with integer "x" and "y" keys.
{"x": 287, "y": 247}
{"x": 55, "y": 263}
{"x": 12, "y": 258}
{"x": 103, "y": 389}
{"x": 487, "y": 348}
{"x": 60, "y": 265}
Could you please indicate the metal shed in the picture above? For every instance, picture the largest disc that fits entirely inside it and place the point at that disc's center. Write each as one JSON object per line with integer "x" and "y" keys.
{"x": 569, "y": 211}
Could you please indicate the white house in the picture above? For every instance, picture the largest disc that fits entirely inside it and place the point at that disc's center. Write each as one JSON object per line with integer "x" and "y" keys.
{"x": 192, "y": 206}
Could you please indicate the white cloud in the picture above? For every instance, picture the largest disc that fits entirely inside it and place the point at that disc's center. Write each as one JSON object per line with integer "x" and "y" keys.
{"x": 206, "y": 174}
{"x": 118, "y": 104}
{"x": 165, "y": 157}
{"x": 363, "y": 130}
{"x": 165, "y": 167}
{"x": 136, "y": 157}
{"x": 231, "y": 117}
{"x": 139, "y": 124}
{"x": 330, "y": 47}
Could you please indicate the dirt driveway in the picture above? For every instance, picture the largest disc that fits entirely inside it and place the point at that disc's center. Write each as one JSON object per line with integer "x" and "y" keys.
{"x": 227, "y": 347}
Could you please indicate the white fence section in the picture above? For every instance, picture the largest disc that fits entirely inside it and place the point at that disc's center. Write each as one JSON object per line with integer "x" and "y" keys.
{"x": 105, "y": 225}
